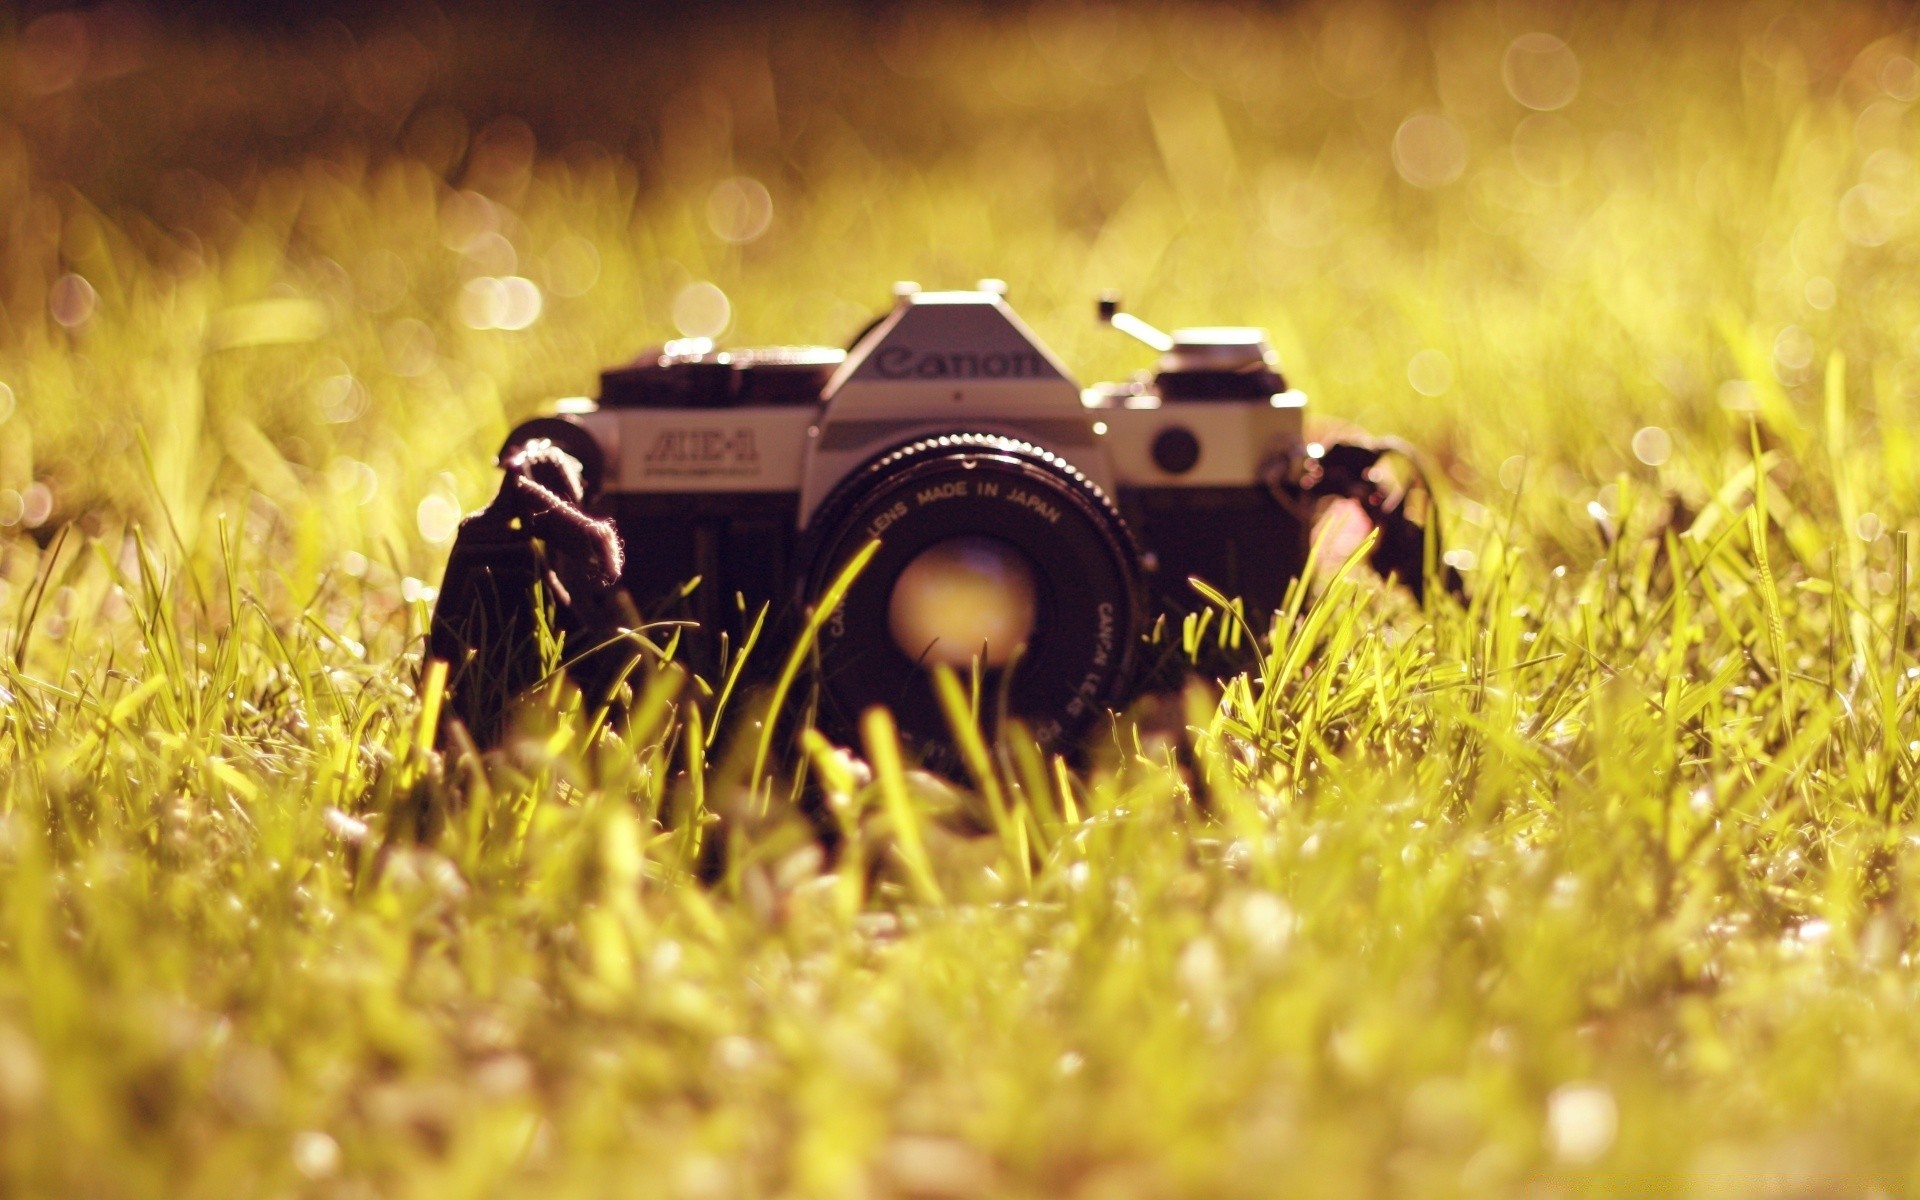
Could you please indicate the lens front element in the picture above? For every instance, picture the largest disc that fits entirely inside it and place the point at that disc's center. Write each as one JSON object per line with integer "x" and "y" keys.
{"x": 992, "y": 550}
{"x": 965, "y": 598}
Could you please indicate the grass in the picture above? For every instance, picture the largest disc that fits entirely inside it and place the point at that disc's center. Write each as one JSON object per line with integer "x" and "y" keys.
{"x": 1604, "y": 883}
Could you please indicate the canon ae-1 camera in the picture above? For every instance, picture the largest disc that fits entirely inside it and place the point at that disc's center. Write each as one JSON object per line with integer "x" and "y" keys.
{"x": 1030, "y": 531}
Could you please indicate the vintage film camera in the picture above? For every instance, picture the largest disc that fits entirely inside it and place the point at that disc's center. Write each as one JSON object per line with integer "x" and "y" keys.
{"x": 1030, "y": 531}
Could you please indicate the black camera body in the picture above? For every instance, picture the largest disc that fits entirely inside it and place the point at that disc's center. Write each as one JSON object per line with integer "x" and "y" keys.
{"x": 762, "y": 473}
{"x": 1029, "y": 531}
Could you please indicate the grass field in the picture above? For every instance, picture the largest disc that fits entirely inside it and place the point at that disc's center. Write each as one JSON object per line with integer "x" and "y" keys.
{"x": 1607, "y": 884}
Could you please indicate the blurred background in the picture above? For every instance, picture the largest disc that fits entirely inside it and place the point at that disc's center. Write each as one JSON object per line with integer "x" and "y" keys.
{"x": 303, "y": 269}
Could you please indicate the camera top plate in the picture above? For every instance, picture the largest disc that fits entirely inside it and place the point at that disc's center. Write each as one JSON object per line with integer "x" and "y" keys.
{"x": 941, "y": 361}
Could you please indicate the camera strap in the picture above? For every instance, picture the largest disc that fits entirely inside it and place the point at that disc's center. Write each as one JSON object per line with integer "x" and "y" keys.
{"x": 531, "y": 575}
{"x": 1353, "y": 471}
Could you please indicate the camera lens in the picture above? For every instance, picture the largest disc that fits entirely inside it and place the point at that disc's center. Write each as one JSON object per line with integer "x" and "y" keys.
{"x": 964, "y": 598}
{"x": 991, "y": 550}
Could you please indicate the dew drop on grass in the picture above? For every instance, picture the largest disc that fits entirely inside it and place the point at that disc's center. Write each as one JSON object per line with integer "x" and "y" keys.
{"x": 344, "y": 827}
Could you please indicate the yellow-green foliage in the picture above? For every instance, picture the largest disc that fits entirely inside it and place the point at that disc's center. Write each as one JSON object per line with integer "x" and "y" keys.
{"x": 1606, "y": 881}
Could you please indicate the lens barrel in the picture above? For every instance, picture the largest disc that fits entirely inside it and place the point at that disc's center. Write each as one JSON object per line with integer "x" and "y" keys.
{"x": 1017, "y": 513}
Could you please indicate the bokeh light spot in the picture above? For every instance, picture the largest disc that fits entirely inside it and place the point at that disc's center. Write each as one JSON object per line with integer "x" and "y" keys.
{"x": 1359, "y": 50}
{"x": 6, "y": 403}
{"x": 315, "y": 1154}
{"x": 52, "y": 54}
{"x": 1863, "y": 216}
{"x": 1429, "y": 150}
{"x": 1868, "y": 527}
{"x": 1793, "y": 350}
{"x": 341, "y": 399}
{"x": 72, "y": 300}
{"x": 410, "y": 348}
{"x": 1582, "y": 1120}
{"x": 739, "y": 209}
{"x": 1821, "y": 293}
{"x": 491, "y": 254}
{"x": 11, "y": 507}
{"x": 36, "y": 505}
{"x": 702, "y": 310}
{"x": 573, "y": 266}
{"x": 1430, "y": 372}
{"x": 465, "y": 217}
{"x": 483, "y": 302}
{"x": 521, "y": 306}
{"x": 354, "y": 479}
{"x": 1900, "y": 79}
{"x": 1652, "y": 445}
{"x": 1300, "y": 212}
{"x": 1541, "y": 72}
{"x": 1513, "y": 472}
{"x": 381, "y": 281}
{"x": 1547, "y": 150}
{"x": 438, "y": 516}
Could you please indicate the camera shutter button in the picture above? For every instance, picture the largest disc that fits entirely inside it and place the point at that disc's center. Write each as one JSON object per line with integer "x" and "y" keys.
{"x": 1175, "y": 450}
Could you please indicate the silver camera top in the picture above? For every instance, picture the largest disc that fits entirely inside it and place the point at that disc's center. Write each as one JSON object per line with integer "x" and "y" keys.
{"x": 800, "y": 419}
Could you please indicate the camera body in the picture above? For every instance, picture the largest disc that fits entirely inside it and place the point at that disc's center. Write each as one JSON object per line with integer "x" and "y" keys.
{"x": 1030, "y": 529}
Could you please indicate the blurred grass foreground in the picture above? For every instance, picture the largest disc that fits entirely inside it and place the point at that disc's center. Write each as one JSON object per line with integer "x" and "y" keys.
{"x": 1603, "y": 885}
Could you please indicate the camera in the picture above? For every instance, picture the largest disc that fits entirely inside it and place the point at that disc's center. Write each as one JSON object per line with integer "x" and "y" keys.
{"x": 1030, "y": 531}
